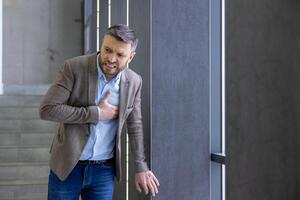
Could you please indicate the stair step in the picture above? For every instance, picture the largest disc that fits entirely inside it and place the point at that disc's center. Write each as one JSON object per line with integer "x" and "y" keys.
{"x": 26, "y": 131}
{"x": 23, "y": 182}
{"x": 24, "y": 164}
{"x": 24, "y": 154}
{"x": 24, "y": 190}
{"x": 20, "y": 100}
{"x": 27, "y": 125}
{"x": 24, "y": 148}
{"x": 25, "y": 139}
{"x": 23, "y": 172}
{"x": 8, "y": 113}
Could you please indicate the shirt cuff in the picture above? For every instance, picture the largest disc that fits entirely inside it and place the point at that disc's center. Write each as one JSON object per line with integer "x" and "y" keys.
{"x": 141, "y": 167}
{"x": 99, "y": 111}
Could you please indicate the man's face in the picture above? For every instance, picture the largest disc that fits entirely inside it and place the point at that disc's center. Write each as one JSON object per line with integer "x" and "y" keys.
{"x": 114, "y": 55}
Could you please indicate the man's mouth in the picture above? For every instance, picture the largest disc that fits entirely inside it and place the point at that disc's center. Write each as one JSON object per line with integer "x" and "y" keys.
{"x": 109, "y": 66}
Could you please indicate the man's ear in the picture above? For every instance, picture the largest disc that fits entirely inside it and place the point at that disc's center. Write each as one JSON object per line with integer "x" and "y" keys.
{"x": 132, "y": 54}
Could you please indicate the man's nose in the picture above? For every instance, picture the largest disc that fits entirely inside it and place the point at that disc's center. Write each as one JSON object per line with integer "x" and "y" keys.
{"x": 112, "y": 58}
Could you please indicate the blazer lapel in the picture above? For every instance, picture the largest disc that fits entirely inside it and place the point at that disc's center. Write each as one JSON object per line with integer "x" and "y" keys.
{"x": 124, "y": 85}
{"x": 92, "y": 77}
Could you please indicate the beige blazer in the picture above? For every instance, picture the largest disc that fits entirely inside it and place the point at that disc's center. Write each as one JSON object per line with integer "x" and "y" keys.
{"x": 71, "y": 101}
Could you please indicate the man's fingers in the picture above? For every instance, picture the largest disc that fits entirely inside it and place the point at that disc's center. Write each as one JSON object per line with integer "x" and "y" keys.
{"x": 145, "y": 187}
{"x": 152, "y": 183}
{"x": 148, "y": 182}
{"x": 107, "y": 95}
{"x": 115, "y": 108}
{"x": 116, "y": 114}
{"x": 155, "y": 179}
{"x": 154, "y": 186}
{"x": 150, "y": 174}
{"x": 151, "y": 187}
{"x": 137, "y": 186}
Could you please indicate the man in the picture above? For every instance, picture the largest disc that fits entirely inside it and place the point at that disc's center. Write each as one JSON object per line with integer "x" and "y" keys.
{"x": 93, "y": 97}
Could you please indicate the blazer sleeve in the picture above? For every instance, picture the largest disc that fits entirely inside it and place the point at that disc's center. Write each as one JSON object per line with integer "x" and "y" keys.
{"x": 54, "y": 105}
{"x": 135, "y": 133}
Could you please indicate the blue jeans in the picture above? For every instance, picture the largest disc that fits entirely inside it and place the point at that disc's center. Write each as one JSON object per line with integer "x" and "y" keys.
{"x": 91, "y": 181}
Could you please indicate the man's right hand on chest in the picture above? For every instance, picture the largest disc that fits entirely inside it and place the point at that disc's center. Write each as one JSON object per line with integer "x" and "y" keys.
{"x": 106, "y": 110}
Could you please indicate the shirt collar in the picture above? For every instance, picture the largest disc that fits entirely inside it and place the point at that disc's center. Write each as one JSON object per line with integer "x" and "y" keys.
{"x": 101, "y": 74}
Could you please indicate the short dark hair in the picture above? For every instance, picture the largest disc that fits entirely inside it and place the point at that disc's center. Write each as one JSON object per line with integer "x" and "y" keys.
{"x": 123, "y": 33}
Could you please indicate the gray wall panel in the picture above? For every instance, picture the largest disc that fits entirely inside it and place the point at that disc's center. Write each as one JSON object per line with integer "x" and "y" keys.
{"x": 180, "y": 98}
{"x": 262, "y": 99}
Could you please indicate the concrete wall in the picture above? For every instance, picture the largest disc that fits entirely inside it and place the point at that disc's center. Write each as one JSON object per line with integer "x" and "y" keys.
{"x": 37, "y": 36}
{"x": 263, "y": 82}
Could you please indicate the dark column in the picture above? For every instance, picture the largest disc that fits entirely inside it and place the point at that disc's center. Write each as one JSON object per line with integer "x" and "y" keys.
{"x": 180, "y": 98}
{"x": 262, "y": 107}
{"x": 103, "y": 18}
{"x": 90, "y": 26}
{"x": 139, "y": 20}
{"x": 118, "y": 12}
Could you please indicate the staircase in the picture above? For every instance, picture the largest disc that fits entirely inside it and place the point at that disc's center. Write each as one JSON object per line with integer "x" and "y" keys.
{"x": 24, "y": 148}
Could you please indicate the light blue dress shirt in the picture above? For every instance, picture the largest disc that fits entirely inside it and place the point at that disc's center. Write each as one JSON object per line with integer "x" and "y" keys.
{"x": 101, "y": 143}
